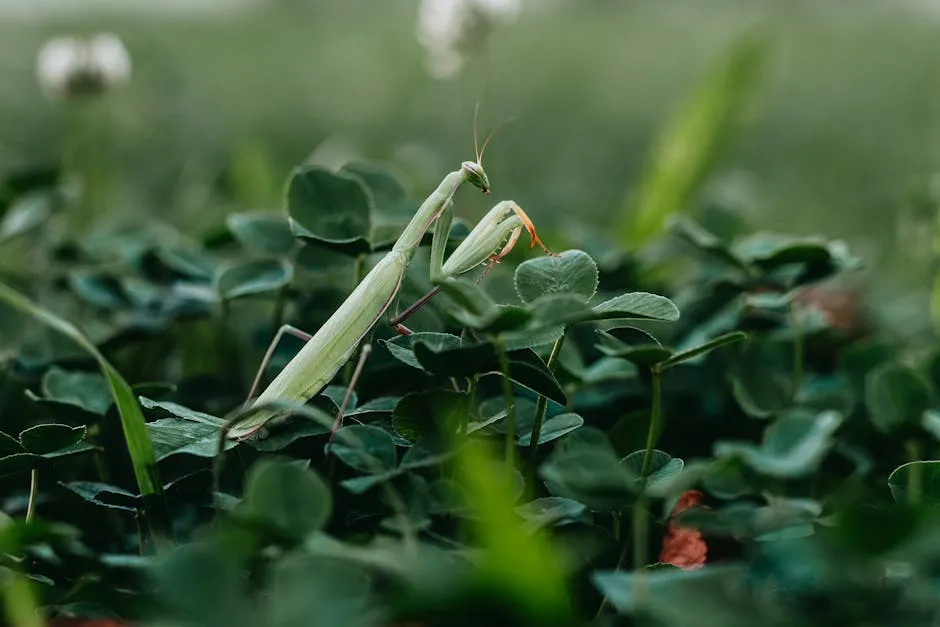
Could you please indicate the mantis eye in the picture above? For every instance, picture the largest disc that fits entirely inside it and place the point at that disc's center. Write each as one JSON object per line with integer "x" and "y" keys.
{"x": 476, "y": 175}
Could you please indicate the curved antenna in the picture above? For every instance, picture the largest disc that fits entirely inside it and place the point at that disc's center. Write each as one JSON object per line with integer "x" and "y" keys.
{"x": 476, "y": 149}
{"x": 489, "y": 137}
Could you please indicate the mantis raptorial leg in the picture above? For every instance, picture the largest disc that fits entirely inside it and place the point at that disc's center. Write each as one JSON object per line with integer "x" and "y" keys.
{"x": 312, "y": 369}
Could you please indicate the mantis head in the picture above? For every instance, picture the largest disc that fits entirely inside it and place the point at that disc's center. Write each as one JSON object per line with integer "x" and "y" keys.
{"x": 476, "y": 175}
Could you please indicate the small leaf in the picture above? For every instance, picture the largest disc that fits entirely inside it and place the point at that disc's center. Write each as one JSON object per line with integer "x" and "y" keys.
{"x": 637, "y": 305}
{"x": 103, "y": 494}
{"x": 266, "y": 232}
{"x": 49, "y": 438}
{"x": 572, "y": 272}
{"x": 365, "y": 448}
{"x": 662, "y": 470}
{"x": 793, "y": 446}
{"x": 587, "y": 470}
{"x": 20, "y": 463}
{"x": 554, "y": 428}
{"x": 288, "y": 498}
{"x": 634, "y": 345}
{"x": 553, "y": 510}
{"x": 331, "y": 208}
{"x": 435, "y": 415}
{"x": 87, "y": 390}
{"x": 401, "y": 347}
{"x": 896, "y": 396}
{"x": 98, "y": 289}
{"x": 698, "y": 351}
{"x": 253, "y": 277}
{"x": 9, "y": 445}
{"x": 922, "y": 476}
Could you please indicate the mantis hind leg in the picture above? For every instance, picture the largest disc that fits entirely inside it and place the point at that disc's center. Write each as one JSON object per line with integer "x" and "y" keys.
{"x": 269, "y": 354}
{"x": 364, "y": 353}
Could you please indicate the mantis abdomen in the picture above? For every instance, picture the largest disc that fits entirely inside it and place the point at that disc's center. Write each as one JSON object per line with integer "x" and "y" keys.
{"x": 312, "y": 369}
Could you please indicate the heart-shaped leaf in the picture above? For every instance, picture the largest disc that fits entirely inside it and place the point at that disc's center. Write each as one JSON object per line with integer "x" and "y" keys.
{"x": 365, "y": 448}
{"x": 554, "y": 428}
{"x": 896, "y": 396}
{"x": 264, "y": 231}
{"x": 50, "y": 438}
{"x": 572, "y": 272}
{"x": 253, "y": 277}
{"x": 87, "y": 390}
{"x": 290, "y": 499}
{"x": 332, "y": 208}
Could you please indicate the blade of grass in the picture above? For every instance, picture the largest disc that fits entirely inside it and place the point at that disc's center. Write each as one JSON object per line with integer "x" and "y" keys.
{"x": 132, "y": 418}
{"x": 692, "y": 140}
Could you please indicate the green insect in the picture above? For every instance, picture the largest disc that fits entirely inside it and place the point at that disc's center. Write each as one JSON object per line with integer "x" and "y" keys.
{"x": 334, "y": 344}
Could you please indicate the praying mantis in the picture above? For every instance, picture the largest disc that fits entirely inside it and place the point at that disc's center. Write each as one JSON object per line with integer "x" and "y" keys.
{"x": 333, "y": 345}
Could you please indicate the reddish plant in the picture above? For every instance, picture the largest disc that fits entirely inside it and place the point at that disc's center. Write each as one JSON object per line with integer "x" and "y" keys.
{"x": 682, "y": 546}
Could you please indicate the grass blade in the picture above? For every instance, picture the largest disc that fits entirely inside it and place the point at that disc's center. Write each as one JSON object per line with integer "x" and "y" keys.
{"x": 692, "y": 140}
{"x": 132, "y": 418}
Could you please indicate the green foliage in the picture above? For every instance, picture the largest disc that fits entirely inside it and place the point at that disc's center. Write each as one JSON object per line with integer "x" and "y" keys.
{"x": 518, "y": 459}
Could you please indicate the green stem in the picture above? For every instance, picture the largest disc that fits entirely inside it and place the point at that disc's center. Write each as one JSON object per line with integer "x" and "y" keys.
{"x": 914, "y": 479}
{"x": 33, "y": 490}
{"x": 540, "y": 407}
{"x": 510, "y": 407}
{"x": 656, "y": 417}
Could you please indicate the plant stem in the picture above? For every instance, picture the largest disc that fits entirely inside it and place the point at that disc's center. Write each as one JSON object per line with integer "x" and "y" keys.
{"x": 358, "y": 274}
{"x": 510, "y": 407}
{"x": 656, "y": 416}
{"x": 33, "y": 490}
{"x": 914, "y": 479}
{"x": 540, "y": 408}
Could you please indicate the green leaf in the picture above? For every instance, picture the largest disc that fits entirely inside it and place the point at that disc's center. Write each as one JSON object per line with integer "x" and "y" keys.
{"x": 637, "y": 305}
{"x": 554, "y": 428}
{"x": 287, "y": 498}
{"x": 87, "y": 390}
{"x": 188, "y": 432}
{"x": 690, "y": 144}
{"x": 896, "y": 396}
{"x": 663, "y": 469}
{"x": 572, "y": 272}
{"x": 916, "y": 481}
{"x": 698, "y": 351}
{"x": 186, "y": 260}
{"x": 330, "y": 208}
{"x": 761, "y": 378}
{"x": 365, "y": 448}
{"x": 516, "y": 562}
{"x": 585, "y": 469}
{"x": 793, "y": 445}
{"x": 402, "y": 346}
{"x": 309, "y": 589}
{"x": 104, "y": 495}
{"x": 9, "y": 445}
{"x": 253, "y": 277}
{"x": 98, "y": 289}
{"x": 436, "y": 414}
{"x": 634, "y": 345}
{"x": 553, "y": 510}
{"x": 705, "y": 241}
{"x": 264, "y": 231}
{"x": 679, "y": 597}
{"x": 50, "y": 438}
{"x": 132, "y": 419}
{"x": 20, "y": 463}
{"x": 204, "y": 584}
{"x": 25, "y": 214}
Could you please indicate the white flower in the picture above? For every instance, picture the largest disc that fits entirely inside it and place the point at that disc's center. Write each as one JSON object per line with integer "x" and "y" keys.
{"x": 69, "y": 67}
{"x": 447, "y": 28}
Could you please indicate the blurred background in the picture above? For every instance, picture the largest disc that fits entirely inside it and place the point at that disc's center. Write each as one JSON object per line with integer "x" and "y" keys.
{"x": 838, "y": 136}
